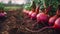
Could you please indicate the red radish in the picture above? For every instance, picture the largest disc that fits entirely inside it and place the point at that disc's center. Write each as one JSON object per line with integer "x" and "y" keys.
{"x": 2, "y": 13}
{"x": 31, "y": 12}
{"x": 33, "y": 15}
{"x": 33, "y": 9}
{"x": 44, "y": 17}
{"x": 52, "y": 19}
{"x": 41, "y": 17}
{"x": 57, "y": 23}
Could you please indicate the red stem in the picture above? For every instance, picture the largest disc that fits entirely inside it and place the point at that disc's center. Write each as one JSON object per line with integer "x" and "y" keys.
{"x": 33, "y": 10}
{"x": 48, "y": 9}
{"x": 44, "y": 5}
{"x": 33, "y": 6}
{"x": 58, "y": 11}
{"x": 37, "y": 9}
{"x": 39, "y": 29}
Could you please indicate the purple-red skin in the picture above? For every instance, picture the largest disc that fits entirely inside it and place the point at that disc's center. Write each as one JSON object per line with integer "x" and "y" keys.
{"x": 2, "y": 13}
{"x": 57, "y": 23}
{"x": 42, "y": 17}
{"x": 30, "y": 13}
{"x": 33, "y": 16}
{"x": 52, "y": 20}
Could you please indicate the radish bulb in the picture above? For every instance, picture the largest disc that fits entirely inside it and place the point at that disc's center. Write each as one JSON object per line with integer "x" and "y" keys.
{"x": 3, "y": 16}
{"x": 2, "y": 13}
{"x": 31, "y": 12}
{"x": 33, "y": 16}
{"x": 57, "y": 21}
{"x": 44, "y": 17}
{"x": 57, "y": 24}
{"x": 52, "y": 19}
{"x": 33, "y": 9}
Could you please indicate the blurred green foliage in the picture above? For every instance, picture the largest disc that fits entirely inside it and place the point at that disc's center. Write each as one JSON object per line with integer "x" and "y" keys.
{"x": 55, "y": 4}
{"x": 7, "y": 8}
{"x": 1, "y": 6}
{"x": 27, "y": 6}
